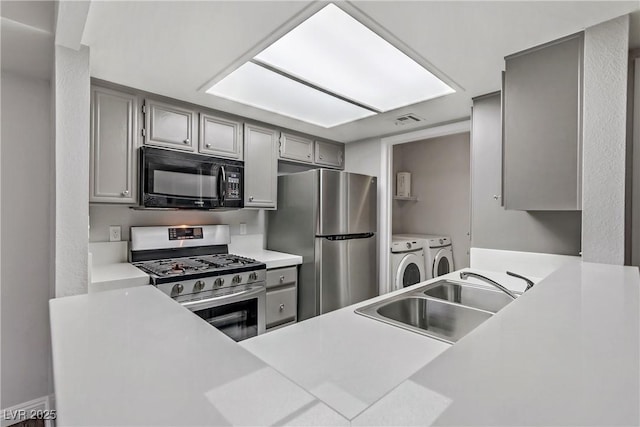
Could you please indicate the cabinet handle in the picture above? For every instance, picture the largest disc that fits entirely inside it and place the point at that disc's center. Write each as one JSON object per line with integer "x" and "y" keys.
{"x": 208, "y": 145}
{"x": 251, "y": 198}
{"x": 186, "y": 141}
{"x": 308, "y": 156}
{"x": 281, "y": 307}
{"x": 281, "y": 279}
{"x": 496, "y": 196}
{"x": 125, "y": 193}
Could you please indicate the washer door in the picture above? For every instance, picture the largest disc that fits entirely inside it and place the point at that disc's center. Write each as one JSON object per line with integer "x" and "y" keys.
{"x": 410, "y": 271}
{"x": 442, "y": 263}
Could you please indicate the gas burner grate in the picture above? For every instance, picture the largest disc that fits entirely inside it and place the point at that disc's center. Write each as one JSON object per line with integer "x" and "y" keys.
{"x": 196, "y": 264}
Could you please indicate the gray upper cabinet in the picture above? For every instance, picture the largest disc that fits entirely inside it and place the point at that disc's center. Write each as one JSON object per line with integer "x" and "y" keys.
{"x": 329, "y": 154}
{"x": 297, "y": 148}
{"x": 220, "y": 137}
{"x": 169, "y": 126}
{"x": 542, "y": 122}
{"x": 260, "y": 167}
{"x": 114, "y": 130}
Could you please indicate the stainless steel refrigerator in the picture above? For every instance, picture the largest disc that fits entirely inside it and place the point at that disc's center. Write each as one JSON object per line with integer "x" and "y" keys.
{"x": 330, "y": 219}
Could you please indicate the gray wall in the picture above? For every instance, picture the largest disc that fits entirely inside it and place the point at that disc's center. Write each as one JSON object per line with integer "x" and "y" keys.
{"x": 71, "y": 91}
{"x": 102, "y": 216}
{"x": 604, "y": 141}
{"x": 26, "y": 229}
{"x": 492, "y": 226}
{"x": 635, "y": 186}
{"x": 440, "y": 179}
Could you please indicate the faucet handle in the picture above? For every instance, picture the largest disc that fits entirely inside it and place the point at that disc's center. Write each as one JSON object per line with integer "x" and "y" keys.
{"x": 529, "y": 281}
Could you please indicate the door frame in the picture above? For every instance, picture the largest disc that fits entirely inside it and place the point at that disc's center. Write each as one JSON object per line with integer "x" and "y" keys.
{"x": 386, "y": 185}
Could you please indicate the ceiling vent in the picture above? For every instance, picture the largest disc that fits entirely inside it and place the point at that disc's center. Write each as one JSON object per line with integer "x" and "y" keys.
{"x": 408, "y": 119}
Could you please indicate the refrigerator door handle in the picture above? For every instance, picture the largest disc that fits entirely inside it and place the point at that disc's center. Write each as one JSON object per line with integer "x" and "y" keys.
{"x": 349, "y": 236}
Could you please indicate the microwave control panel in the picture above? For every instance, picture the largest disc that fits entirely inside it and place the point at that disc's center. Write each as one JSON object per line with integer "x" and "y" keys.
{"x": 234, "y": 190}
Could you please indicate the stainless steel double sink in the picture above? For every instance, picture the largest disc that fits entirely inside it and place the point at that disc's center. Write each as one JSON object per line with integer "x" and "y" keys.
{"x": 445, "y": 310}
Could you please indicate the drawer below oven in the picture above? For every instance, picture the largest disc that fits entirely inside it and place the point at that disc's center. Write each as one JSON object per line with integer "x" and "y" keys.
{"x": 281, "y": 306}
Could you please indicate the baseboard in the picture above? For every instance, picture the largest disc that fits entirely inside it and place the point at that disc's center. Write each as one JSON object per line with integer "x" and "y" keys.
{"x": 43, "y": 405}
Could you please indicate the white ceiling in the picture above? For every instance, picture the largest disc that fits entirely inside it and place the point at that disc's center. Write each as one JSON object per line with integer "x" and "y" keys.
{"x": 177, "y": 48}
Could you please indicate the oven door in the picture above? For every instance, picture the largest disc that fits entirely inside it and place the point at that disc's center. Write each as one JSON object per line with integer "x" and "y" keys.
{"x": 171, "y": 179}
{"x": 239, "y": 315}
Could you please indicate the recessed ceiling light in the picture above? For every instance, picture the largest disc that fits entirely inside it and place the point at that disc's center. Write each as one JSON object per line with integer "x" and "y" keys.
{"x": 254, "y": 85}
{"x": 331, "y": 55}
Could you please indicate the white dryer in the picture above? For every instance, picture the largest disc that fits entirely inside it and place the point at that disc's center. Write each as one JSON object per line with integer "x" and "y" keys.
{"x": 407, "y": 262}
{"x": 438, "y": 253}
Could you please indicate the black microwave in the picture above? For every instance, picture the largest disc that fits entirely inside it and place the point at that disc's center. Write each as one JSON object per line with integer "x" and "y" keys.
{"x": 177, "y": 180}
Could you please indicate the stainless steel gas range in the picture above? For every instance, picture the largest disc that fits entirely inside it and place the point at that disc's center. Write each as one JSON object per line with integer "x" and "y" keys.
{"x": 192, "y": 265}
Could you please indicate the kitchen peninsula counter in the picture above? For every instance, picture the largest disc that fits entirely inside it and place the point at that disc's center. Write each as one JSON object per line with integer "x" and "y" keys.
{"x": 565, "y": 352}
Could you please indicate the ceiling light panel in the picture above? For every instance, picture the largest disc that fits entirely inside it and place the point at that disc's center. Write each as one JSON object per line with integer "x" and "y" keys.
{"x": 259, "y": 87}
{"x": 334, "y": 51}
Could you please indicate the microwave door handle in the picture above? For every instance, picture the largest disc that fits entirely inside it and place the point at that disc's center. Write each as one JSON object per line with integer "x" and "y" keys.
{"x": 223, "y": 185}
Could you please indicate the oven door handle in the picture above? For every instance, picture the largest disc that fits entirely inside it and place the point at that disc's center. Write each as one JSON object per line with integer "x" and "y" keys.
{"x": 224, "y": 299}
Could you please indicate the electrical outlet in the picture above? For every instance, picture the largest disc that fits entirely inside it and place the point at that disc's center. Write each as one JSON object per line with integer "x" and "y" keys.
{"x": 243, "y": 228}
{"x": 115, "y": 233}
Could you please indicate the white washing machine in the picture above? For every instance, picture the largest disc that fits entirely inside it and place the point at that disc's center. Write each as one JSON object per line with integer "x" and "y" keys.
{"x": 407, "y": 262}
{"x": 438, "y": 253}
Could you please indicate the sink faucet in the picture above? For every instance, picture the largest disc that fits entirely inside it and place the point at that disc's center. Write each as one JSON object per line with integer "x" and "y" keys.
{"x": 465, "y": 274}
{"x": 529, "y": 281}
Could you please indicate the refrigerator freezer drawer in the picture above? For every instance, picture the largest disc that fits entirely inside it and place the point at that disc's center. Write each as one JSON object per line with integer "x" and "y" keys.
{"x": 347, "y": 272}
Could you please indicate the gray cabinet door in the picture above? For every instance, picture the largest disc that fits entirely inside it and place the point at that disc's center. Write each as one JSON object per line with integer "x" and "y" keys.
{"x": 542, "y": 127}
{"x": 494, "y": 227}
{"x": 169, "y": 126}
{"x": 114, "y": 129}
{"x": 329, "y": 154}
{"x": 220, "y": 137}
{"x": 293, "y": 147}
{"x": 260, "y": 167}
{"x": 281, "y": 306}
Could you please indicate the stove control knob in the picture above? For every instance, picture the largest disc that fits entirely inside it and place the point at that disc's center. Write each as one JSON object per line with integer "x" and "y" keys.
{"x": 177, "y": 289}
{"x": 198, "y": 286}
{"x": 219, "y": 282}
{"x": 408, "y": 245}
{"x": 237, "y": 278}
{"x": 253, "y": 276}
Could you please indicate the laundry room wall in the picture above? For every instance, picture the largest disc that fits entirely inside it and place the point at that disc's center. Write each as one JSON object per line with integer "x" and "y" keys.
{"x": 440, "y": 179}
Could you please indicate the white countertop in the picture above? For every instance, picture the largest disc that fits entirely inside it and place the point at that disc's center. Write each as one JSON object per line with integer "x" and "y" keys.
{"x": 110, "y": 270}
{"x": 346, "y": 360}
{"x": 136, "y": 357}
{"x": 116, "y": 276}
{"x": 251, "y": 246}
{"x": 272, "y": 259}
{"x": 355, "y": 360}
{"x": 566, "y": 352}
